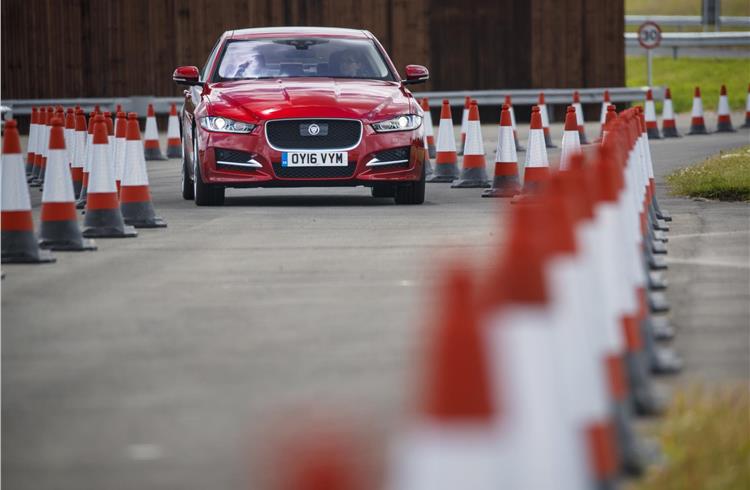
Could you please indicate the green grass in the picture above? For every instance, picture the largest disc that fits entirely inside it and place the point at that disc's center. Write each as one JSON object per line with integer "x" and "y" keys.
{"x": 725, "y": 177}
{"x": 705, "y": 437}
{"x": 681, "y": 75}
{"x": 683, "y": 7}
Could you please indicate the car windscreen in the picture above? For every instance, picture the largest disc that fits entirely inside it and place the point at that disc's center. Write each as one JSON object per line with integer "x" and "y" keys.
{"x": 301, "y": 57}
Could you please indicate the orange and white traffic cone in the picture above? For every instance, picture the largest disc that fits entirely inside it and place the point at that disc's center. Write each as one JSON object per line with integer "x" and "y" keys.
{"x": 428, "y": 127}
{"x": 571, "y": 145}
{"x": 19, "y": 244}
{"x": 174, "y": 143}
{"x": 427, "y": 165}
{"x": 603, "y": 114}
{"x": 152, "y": 150}
{"x": 724, "y": 122}
{"x": 545, "y": 121}
{"x": 121, "y": 131}
{"x": 506, "y": 182}
{"x": 79, "y": 152}
{"x": 70, "y": 132}
{"x": 474, "y": 171}
{"x": 652, "y": 127}
{"x": 37, "y": 173}
{"x": 579, "y": 117}
{"x": 464, "y": 120}
{"x": 135, "y": 197}
{"x": 31, "y": 145}
{"x": 509, "y": 103}
{"x": 446, "y": 161}
{"x": 536, "y": 164}
{"x": 103, "y": 217}
{"x": 87, "y": 158}
{"x": 697, "y": 123}
{"x": 59, "y": 229}
{"x": 747, "y": 108}
{"x": 611, "y": 116}
{"x": 668, "y": 124}
{"x": 452, "y": 442}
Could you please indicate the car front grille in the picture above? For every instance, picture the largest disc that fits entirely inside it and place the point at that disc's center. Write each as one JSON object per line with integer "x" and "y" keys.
{"x": 291, "y": 134}
{"x": 314, "y": 172}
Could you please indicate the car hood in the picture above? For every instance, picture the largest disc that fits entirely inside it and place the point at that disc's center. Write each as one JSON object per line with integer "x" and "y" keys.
{"x": 369, "y": 100}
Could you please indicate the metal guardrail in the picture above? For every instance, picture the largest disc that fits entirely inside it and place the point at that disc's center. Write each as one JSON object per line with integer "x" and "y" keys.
{"x": 685, "y": 20}
{"x": 694, "y": 39}
{"x": 137, "y": 104}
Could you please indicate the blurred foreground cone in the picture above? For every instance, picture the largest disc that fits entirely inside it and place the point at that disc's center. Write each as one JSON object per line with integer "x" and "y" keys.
{"x": 536, "y": 164}
{"x": 668, "y": 124}
{"x": 135, "y": 197}
{"x": 464, "y": 120}
{"x": 603, "y": 114}
{"x": 451, "y": 443}
{"x": 545, "y": 121}
{"x": 611, "y": 116}
{"x": 724, "y": 122}
{"x": 428, "y": 127}
{"x": 652, "y": 127}
{"x": 18, "y": 241}
{"x": 31, "y": 145}
{"x": 506, "y": 182}
{"x": 474, "y": 172}
{"x": 174, "y": 143}
{"x": 121, "y": 130}
{"x": 59, "y": 229}
{"x": 747, "y": 108}
{"x": 87, "y": 159}
{"x": 152, "y": 151}
{"x": 103, "y": 216}
{"x": 509, "y": 103}
{"x": 579, "y": 118}
{"x": 697, "y": 123}
{"x": 78, "y": 154}
{"x": 446, "y": 161}
{"x": 571, "y": 145}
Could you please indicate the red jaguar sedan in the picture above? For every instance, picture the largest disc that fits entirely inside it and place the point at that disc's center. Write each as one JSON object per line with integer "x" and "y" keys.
{"x": 301, "y": 107}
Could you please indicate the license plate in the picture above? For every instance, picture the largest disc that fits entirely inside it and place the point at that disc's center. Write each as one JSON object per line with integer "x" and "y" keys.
{"x": 314, "y": 159}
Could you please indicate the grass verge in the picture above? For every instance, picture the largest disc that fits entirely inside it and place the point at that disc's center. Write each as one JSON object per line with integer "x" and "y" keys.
{"x": 683, "y": 7}
{"x": 725, "y": 177}
{"x": 705, "y": 438}
{"x": 682, "y": 75}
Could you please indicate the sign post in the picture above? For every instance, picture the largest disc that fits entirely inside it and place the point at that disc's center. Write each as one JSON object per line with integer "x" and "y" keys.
{"x": 649, "y": 37}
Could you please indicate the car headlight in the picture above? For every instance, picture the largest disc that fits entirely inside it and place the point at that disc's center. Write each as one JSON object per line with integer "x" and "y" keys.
{"x": 407, "y": 122}
{"x": 224, "y": 125}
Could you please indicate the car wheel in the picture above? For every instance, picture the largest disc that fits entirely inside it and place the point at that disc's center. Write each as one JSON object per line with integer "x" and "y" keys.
{"x": 205, "y": 194}
{"x": 411, "y": 193}
{"x": 188, "y": 192}
{"x": 383, "y": 190}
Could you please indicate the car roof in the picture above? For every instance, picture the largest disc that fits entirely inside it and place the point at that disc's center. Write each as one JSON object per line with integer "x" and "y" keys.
{"x": 296, "y": 31}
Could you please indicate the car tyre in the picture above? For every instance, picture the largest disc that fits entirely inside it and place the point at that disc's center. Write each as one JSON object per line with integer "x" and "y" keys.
{"x": 188, "y": 192}
{"x": 205, "y": 194}
{"x": 383, "y": 190}
{"x": 411, "y": 193}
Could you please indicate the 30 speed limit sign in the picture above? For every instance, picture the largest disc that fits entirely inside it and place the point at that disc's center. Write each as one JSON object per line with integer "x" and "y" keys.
{"x": 649, "y": 35}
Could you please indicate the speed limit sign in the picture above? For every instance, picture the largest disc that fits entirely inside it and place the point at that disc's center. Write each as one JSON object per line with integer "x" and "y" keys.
{"x": 649, "y": 35}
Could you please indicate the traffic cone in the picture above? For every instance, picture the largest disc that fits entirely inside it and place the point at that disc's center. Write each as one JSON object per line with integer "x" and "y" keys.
{"x": 37, "y": 173}
{"x": 452, "y": 442}
{"x": 174, "y": 143}
{"x": 135, "y": 197}
{"x": 121, "y": 129}
{"x": 19, "y": 244}
{"x": 152, "y": 151}
{"x": 570, "y": 142}
{"x": 79, "y": 152}
{"x": 611, "y": 116}
{"x": 545, "y": 121}
{"x": 668, "y": 125}
{"x": 724, "y": 122}
{"x": 464, "y": 120}
{"x": 103, "y": 216}
{"x": 536, "y": 164}
{"x": 87, "y": 158}
{"x": 506, "y": 182}
{"x": 428, "y": 166}
{"x": 697, "y": 124}
{"x": 747, "y": 108}
{"x": 59, "y": 229}
{"x": 652, "y": 127}
{"x": 31, "y": 145}
{"x": 603, "y": 115}
{"x": 509, "y": 103}
{"x": 446, "y": 168}
{"x": 579, "y": 118}
{"x": 428, "y": 128}
{"x": 70, "y": 131}
{"x": 474, "y": 172}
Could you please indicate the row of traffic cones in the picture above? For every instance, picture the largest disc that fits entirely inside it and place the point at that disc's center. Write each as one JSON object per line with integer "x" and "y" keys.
{"x": 107, "y": 175}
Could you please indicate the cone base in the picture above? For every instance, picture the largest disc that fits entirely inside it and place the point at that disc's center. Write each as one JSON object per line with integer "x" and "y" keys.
{"x": 666, "y": 361}
{"x": 725, "y": 127}
{"x": 662, "y": 329}
{"x": 155, "y": 222}
{"x": 663, "y": 215}
{"x": 110, "y": 232}
{"x": 670, "y": 133}
{"x": 658, "y": 302}
{"x": 20, "y": 247}
{"x": 747, "y": 124}
{"x": 632, "y": 460}
{"x": 470, "y": 183}
{"x": 174, "y": 152}
{"x": 153, "y": 154}
{"x": 698, "y": 130}
{"x": 63, "y": 235}
{"x": 441, "y": 179}
{"x": 657, "y": 263}
{"x": 106, "y": 223}
{"x": 656, "y": 281}
{"x": 35, "y": 183}
{"x": 77, "y": 186}
{"x": 658, "y": 247}
{"x": 645, "y": 400}
{"x": 68, "y": 246}
{"x": 653, "y": 133}
{"x": 501, "y": 193}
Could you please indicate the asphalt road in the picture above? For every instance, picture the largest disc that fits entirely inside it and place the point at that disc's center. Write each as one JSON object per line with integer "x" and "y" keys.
{"x": 157, "y": 362}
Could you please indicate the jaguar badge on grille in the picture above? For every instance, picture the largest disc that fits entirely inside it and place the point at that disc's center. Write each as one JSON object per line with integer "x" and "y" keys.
{"x": 313, "y": 129}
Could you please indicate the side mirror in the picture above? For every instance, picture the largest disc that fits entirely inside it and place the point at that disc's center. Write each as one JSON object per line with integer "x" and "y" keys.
{"x": 416, "y": 74}
{"x": 187, "y": 75}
